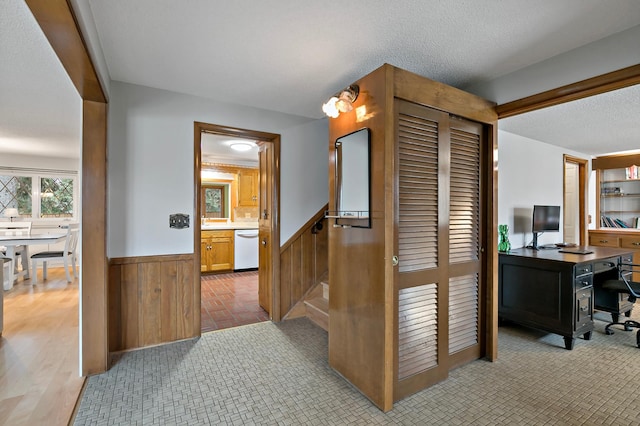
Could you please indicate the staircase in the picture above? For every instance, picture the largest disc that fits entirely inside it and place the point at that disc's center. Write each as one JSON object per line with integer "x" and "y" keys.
{"x": 315, "y": 305}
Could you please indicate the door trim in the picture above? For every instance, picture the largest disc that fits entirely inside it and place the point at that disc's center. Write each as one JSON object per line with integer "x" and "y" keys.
{"x": 264, "y": 137}
{"x": 583, "y": 187}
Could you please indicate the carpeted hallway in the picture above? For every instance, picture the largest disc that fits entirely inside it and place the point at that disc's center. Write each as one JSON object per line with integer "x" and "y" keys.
{"x": 277, "y": 374}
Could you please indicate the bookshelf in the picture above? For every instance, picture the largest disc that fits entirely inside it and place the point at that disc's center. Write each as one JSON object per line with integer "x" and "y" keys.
{"x": 619, "y": 198}
{"x": 617, "y": 204}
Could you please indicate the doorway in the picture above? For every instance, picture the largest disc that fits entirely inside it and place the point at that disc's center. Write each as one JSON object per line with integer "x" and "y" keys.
{"x": 261, "y": 206}
{"x": 574, "y": 196}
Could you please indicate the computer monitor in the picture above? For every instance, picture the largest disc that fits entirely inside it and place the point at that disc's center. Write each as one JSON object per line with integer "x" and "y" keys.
{"x": 545, "y": 219}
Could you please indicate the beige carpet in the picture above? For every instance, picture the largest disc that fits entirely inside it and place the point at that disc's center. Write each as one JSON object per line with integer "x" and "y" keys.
{"x": 277, "y": 374}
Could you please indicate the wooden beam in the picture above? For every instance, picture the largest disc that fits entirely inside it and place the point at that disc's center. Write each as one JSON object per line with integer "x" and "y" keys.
{"x": 59, "y": 25}
{"x": 614, "y": 80}
{"x": 94, "y": 230}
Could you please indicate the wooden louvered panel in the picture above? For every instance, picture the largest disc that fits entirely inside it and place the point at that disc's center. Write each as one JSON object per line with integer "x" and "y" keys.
{"x": 418, "y": 193}
{"x": 417, "y": 329}
{"x": 464, "y": 223}
{"x": 463, "y": 312}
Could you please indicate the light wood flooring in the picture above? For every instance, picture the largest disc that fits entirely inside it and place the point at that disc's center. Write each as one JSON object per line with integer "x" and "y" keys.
{"x": 39, "y": 369}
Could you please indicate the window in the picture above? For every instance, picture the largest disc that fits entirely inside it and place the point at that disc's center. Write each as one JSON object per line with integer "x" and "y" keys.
{"x": 56, "y": 194}
{"x": 213, "y": 201}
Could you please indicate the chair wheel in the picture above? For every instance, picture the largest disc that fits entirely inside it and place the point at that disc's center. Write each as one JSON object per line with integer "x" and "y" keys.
{"x": 627, "y": 327}
{"x": 638, "y": 338}
{"x": 608, "y": 332}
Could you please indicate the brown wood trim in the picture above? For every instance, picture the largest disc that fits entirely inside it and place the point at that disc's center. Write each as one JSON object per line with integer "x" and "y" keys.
{"x": 412, "y": 87}
{"x": 59, "y": 24}
{"x": 615, "y": 161}
{"x": 582, "y": 197}
{"x": 199, "y": 128}
{"x": 94, "y": 248}
{"x": 319, "y": 215}
{"x": 614, "y": 80}
{"x": 148, "y": 259}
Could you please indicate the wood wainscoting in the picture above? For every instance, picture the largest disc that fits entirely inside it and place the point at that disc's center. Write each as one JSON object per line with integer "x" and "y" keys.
{"x": 152, "y": 300}
{"x": 304, "y": 260}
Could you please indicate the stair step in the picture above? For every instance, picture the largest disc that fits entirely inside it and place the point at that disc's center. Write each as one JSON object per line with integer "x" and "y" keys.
{"x": 325, "y": 290}
{"x": 318, "y": 311}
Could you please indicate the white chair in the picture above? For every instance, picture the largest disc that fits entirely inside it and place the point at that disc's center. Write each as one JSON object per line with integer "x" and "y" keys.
{"x": 17, "y": 228}
{"x": 68, "y": 255}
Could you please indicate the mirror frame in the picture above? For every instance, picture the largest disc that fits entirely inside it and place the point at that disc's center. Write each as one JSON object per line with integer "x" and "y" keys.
{"x": 341, "y": 218}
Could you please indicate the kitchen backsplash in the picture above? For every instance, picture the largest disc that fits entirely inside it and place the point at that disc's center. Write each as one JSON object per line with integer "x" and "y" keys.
{"x": 246, "y": 213}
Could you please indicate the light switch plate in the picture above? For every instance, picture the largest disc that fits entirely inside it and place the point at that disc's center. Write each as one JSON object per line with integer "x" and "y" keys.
{"x": 178, "y": 220}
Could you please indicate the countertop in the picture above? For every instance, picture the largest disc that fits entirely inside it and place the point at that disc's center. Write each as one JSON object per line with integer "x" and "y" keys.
{"x": 231, "y": 225}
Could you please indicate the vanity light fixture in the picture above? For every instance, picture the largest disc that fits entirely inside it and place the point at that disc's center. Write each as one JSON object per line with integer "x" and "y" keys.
{"x": 341, "y": 101}
{"x": 241, "y": 146}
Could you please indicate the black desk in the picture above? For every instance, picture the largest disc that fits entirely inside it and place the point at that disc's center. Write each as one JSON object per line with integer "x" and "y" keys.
{"x": 554, "y": 291}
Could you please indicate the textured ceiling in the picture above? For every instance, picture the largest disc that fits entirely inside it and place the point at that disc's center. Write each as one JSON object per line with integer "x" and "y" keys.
{"x": 40, "y": 109}
{"x": 286, "y": 55}
{"x": 606, "y": 123}
{"x": 289, "y": 56}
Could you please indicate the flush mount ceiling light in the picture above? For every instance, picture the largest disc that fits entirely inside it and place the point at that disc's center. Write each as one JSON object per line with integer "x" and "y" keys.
{"x": 241, "y": 146}
{"x": 341, "y": 101}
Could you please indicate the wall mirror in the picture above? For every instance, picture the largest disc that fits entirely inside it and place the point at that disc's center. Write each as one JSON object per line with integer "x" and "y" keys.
{"x": 353, "y": 188}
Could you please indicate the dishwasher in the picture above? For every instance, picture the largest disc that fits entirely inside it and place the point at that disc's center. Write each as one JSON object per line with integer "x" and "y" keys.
{"x": 245, "y": 249}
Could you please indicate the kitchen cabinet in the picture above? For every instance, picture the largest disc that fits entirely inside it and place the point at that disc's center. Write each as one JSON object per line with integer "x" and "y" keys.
{"x": 248, "y": 188}
{"x": 216, "y": 251}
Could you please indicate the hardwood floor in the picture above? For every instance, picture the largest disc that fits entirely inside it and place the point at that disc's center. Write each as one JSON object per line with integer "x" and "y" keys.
{"x": 39, "y": 370}
{"x": 230, "y": 300}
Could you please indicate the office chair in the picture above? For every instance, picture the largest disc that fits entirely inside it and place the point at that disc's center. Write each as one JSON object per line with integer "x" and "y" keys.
{"x": 623, "y": 285}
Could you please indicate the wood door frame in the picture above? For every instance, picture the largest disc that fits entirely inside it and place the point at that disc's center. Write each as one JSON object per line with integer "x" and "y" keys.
{"x": 583, "y": 187}
{"x": 59, "y": 25}
{"x": 264, "y": 137}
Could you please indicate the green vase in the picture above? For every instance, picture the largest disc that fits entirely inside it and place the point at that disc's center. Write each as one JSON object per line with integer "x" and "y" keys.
{"x": 503, "y": 242}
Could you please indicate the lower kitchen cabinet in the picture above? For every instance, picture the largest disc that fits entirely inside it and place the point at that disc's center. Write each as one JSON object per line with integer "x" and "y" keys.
{"x": 216, "y": 251}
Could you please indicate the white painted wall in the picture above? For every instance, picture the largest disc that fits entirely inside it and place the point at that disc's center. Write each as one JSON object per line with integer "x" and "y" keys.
{"x": 304, "y": 175}
{"x": 600, "y": 57}
{"x": 150, "y": 165}
{"x": 529, "y": 172}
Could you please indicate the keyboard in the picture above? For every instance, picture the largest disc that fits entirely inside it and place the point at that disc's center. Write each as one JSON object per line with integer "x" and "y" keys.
{"x": 575, "y": 251}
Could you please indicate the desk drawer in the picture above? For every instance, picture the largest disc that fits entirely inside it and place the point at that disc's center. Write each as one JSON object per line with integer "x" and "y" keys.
{"x": 584, "y": 269}
{"x": 583, "y": 281}
{"x": 630, "y": 242}
{"x": 603, "y": 241}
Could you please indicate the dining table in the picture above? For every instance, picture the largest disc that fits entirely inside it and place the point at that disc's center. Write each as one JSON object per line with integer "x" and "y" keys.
{"x": 13, "y": 241}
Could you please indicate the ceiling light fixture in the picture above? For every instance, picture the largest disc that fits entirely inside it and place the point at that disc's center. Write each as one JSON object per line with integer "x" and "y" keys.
{"x": 341, "y": 101}
{"x": 241, "y": 146}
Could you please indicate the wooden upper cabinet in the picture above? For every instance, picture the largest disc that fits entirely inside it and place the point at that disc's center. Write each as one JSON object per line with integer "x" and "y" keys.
{"x": 248, "y": 188}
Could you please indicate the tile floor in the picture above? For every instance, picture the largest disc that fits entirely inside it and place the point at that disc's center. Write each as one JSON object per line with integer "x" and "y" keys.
{"x": 278, "y": 374}
{"x": 230, "y": 300}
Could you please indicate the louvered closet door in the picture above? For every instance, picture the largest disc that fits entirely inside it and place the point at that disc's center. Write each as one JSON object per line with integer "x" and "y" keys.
{"x": 464, "y": 241}
{"x": 437, "y": 238}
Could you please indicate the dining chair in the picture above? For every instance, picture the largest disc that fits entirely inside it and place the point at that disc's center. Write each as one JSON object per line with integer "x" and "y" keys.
{"x": 17, "y": 228}
{"x": 67, "y": 254}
